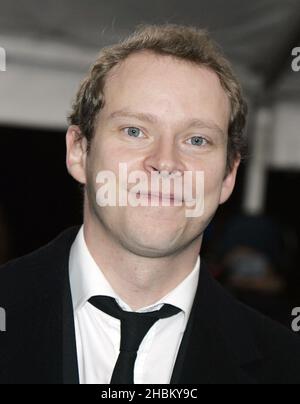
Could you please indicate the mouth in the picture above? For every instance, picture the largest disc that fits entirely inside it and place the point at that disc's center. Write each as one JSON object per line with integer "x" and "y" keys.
{"x": 151, "y": 196}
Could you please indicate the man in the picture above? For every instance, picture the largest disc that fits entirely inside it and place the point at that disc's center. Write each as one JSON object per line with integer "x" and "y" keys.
{"x": 127, "y": 299}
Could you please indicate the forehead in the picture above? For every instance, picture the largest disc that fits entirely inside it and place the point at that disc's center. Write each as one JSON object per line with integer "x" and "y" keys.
{"x": 159, "y": 84}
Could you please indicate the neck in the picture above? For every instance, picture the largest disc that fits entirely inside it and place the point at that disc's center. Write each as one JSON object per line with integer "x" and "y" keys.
{"x": 139, "y": 281}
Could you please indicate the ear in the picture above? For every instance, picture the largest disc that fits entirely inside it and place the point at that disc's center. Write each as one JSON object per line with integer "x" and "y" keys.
{"x": 229, "y": 182}
{"x": 76, "y": 154}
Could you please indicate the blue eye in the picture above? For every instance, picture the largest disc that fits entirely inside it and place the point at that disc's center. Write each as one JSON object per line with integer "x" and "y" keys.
{"x": 133, "y": 132}
{"x": 198, "y": 141}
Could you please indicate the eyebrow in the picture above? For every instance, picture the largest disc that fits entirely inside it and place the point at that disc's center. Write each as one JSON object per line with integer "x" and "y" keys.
{"x": 152, "y": 119}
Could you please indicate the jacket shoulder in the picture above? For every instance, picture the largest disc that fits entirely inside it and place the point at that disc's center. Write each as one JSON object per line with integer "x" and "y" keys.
{"x": 277, "y": 347}
{"x": 281, "y": 351}
{"x": 28, "y": 275}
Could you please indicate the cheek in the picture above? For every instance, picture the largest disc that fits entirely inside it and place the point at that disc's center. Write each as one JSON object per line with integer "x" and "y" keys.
{"x": 213, "y": 179}
{"x": 213, "y": 183}
{"x": 104, "y": 156}
{"x": 111, "y": 152}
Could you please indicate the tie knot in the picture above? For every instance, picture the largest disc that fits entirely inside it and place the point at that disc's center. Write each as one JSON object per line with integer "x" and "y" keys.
{"x": 134, "y": 326}
{"x": 109, "y": 306}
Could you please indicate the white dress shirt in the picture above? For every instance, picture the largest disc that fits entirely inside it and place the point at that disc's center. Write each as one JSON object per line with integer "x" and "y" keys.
{"x": 98, "y": 334}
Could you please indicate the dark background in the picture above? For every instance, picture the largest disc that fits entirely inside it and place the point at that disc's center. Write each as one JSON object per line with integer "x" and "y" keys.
{"x": 38, "y": 196}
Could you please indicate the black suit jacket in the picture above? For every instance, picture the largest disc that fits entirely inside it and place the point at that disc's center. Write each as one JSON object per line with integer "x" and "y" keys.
{"x": 224, "y": 343}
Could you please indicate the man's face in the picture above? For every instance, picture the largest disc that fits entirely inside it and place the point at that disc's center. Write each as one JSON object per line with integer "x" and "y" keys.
{"x": 160, "y": 114}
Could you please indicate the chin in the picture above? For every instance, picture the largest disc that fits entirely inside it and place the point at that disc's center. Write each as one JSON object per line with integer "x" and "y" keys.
{"x": 152, "y": 247}
{"x": 147, "y": 251}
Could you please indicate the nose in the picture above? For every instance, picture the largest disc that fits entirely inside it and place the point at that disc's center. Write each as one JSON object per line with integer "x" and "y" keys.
{"x": 164, "y": 158}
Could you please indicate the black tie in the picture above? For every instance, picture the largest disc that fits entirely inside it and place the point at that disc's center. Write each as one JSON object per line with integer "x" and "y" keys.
{"x": 134, "y": 327}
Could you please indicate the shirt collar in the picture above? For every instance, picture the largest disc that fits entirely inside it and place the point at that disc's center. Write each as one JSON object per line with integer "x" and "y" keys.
{"x": 87, "y": 280}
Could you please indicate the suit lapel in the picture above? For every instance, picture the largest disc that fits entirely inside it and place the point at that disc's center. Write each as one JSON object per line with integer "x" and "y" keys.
{"x": 207, "y": 355}
{"x": 70, "y": 363}
{"x": 41, "y": 330}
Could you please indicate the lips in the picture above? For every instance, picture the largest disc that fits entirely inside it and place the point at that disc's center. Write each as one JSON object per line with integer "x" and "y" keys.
{"x": 160, "y": 196}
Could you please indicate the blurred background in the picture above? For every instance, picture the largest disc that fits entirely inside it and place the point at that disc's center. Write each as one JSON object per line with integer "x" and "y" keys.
{"x": 252, "y": 246}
